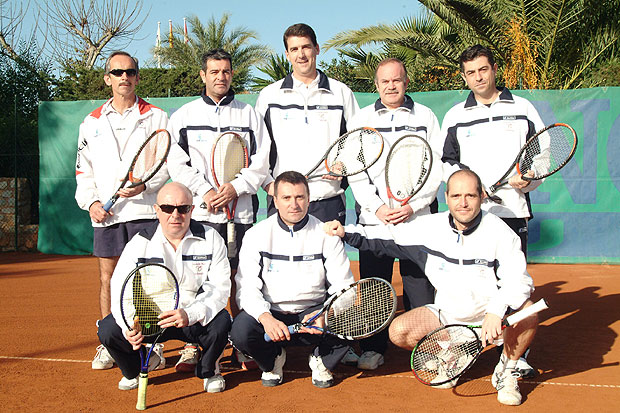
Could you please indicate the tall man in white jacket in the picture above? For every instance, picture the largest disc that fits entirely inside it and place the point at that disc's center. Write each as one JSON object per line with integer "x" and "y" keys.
{"x": 196, "y": 254}
{"x": 305, "y": 113}
{"x": 394, "y": 115}
{"x": 108, "y": 139}
{"x": 474, "y": 261}
{"x": 287, "y": 267}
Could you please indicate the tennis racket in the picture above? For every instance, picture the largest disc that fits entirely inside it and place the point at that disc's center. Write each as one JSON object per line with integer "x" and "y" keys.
{"x": 449, "y": 351}
{"x": 360, "y": 310}
{"x": 352, "y": 153}
{"x": 228, "y": 157}
{"x": 148, "y": 291}
{"x": 543, "y": 154}
{"x": 407, "y": 168}
{"x": 146, "y": 163}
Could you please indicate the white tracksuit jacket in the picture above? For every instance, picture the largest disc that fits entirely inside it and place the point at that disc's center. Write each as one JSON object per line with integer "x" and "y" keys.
{"x": 477, "y": 271}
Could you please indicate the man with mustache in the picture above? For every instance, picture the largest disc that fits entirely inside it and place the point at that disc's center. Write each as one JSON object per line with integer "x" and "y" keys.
{"x": 109, "y": 138}
{"x": 394, "y": 115}
{"x": 195, "y": 127}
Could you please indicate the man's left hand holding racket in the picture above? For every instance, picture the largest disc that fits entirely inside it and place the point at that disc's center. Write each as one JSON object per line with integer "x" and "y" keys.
{"x": 147, "y": 161}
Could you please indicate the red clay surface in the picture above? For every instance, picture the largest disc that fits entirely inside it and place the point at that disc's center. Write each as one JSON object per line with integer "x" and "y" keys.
{"x": 48, "y": 338}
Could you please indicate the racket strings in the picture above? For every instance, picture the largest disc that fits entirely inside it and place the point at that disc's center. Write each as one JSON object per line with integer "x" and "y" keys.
{"x": 445, "y": 354}
{"x": 355, "y": 152}
{"x": 228, "y": 158}
{"x": 151, "y": 156}
{"x": 362, "y": 310}
{"x": 407, "y": 167}
{"x": 153, "y": 291}
{"x": 548, "y": 152}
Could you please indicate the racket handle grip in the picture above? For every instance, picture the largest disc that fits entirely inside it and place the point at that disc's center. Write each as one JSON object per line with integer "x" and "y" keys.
{"x": 108, "y": 205}
{"x": 231, "y": 239}
{"x": 292, "y": 329}
{"x": 143, "y": 380}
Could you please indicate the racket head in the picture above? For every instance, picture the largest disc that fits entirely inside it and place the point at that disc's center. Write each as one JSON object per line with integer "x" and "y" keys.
{"x": 150, "y": 157}
{"x": 407, "y": 168}
{"x": 361, "y": 310}
{"x": 229, "y": 156}
{"x": 547, "y": 151}
{"x": 445, "y": 354}
{"x": 354, "y": 152}
{"x": 149, "y": 290}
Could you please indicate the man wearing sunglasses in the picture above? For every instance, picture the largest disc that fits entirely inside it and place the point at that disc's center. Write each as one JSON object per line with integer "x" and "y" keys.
{"x": 108, "y": 139}
{"x": 196, "y": 254}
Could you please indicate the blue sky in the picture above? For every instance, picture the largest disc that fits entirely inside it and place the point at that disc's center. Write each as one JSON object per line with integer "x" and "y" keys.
{"x": 269, "y": 18}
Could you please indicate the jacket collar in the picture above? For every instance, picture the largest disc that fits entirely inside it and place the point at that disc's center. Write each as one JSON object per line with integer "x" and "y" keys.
{"x": 225, "y": 100}
{"x": 323, "y": 81}
{"x": 298, "y": 226}
{"x": 475, "y": 223}
{"x": 195, "y": 228}
{"x": 504, "y": 95}
{"x": 407, "y": 104}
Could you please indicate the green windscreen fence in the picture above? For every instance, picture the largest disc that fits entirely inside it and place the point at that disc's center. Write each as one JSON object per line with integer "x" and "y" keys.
{"x": 576, "y": 211}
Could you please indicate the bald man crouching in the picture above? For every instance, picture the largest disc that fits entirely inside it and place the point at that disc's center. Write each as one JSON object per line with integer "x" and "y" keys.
{"x": 196, "y": 254}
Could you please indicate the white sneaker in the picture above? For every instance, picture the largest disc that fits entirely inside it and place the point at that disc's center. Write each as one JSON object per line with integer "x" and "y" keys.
{"x": 215, "y": 384}
{"x": 443, "y": 377}
{"x": 321, "y": 377}
{"x": 350, "y": 359}
{"x": 274, "y": 377}
{"x": 370, "y": 360}
{"x": 103, "y": 360}
{"x": 525, "y": 370}
{"x": 508, "y": 387}
{"x": 128, "y": 384}
{"x": 157, "y": 360}
{"x": 189, "y": 358}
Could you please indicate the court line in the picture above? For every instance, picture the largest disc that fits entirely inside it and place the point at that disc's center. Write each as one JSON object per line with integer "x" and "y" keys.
{"x": 44, "y": 359}
{"x": 365, "y": 374}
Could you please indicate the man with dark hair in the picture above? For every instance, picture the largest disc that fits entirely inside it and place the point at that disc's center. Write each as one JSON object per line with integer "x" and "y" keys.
{"x": 195, "y": 127}
{"x": 108, "y": 139}
{"x": 394, "y": 115}
{"x": 485, "y": 133}
{"x": 475, "y": 262}
{"x": 197, "y": 256}
{"x": 287, "y": 267}
{"x": 305, "y": 113}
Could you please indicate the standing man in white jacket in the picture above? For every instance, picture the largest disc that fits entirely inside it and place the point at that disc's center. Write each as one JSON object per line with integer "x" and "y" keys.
{"x": 394, "y": 115}
{"x": 485, "y": 133}
{"x": 305, "y": 113}
{"x": 195, "y": 127}
{"x": 108, "y": 139}
{"x": 196, "y": 254}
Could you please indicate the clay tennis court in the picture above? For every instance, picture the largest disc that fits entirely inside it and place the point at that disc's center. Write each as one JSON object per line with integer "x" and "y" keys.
{"x": 48, "y": 338}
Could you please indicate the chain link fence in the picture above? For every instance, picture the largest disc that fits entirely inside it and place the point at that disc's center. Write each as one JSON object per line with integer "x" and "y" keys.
{"x": 18, "y": 204}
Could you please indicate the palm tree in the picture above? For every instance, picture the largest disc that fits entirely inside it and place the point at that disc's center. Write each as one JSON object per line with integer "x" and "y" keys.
{"x": 276, "y": 68}
{"x": 214, "y": 35}
{"x": 539, "y": 43}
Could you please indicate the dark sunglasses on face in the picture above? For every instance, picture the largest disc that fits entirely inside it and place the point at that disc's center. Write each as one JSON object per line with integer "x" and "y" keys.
{"x": 169, "y": 209}
{"x": 119, "y": 72}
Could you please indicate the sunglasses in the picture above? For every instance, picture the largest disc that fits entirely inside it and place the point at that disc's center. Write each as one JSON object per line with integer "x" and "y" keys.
{"x": 169, "y": 209}
{"x": 119, "y": 72}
